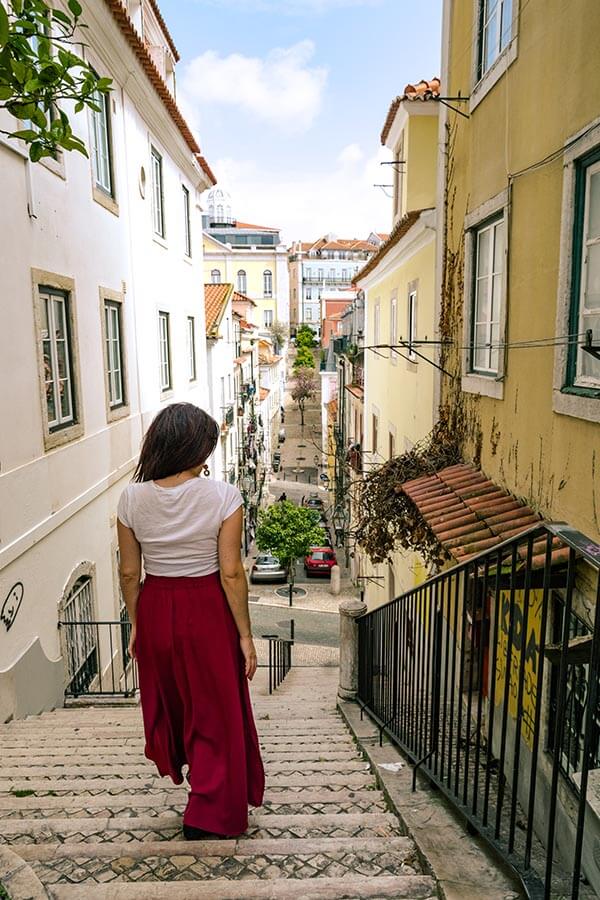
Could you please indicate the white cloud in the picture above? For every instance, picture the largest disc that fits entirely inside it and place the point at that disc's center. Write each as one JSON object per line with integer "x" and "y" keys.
{"x": 281, "y": 88}
{"x": 306, "y": 204}
{"x": 290, "y": 7}
{"x": 350, "y": 155}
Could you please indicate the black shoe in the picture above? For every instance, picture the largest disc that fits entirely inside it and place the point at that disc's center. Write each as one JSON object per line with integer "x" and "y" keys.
{"x": 191, "y": 833}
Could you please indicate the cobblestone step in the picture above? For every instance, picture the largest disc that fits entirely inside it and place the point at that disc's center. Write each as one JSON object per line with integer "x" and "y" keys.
{"x": 230, "y": 859}
{"x": 167, "y": 827}
{"x": 417, "y": 887}
{"x": 132, "y": 755}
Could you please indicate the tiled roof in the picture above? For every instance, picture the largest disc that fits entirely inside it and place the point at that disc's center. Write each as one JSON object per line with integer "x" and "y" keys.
{"x": 216, "y": 297}
{"x": 140, "y": 50}
{"x": 468, "y": 513}
{"x": 403, "y": 226}
{"x": 424, "y": 90}
{"x": 383, "y": 235}
{"x": 241, "y": 298}
{"x": 338, "y": 244}
{"x": 165, "y": 30}
{"x": 239, "y": 224}
{"x": 356, "y": 390}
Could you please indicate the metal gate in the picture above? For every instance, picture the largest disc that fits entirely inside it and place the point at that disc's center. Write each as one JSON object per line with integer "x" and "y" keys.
{"x": 81, "y": 643}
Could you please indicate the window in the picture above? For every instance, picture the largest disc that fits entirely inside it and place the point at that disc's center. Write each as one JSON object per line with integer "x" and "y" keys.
{"x": 268, "y": 283}
{"x": 412, "y": 324}
{"x": 56, "y": 349}
{"x": 268, "y": 317}
{"x": 320, "y": 274}
{"x": 487, "y": 297}
{"x": 344, "y": 274}
{"x": 215, "y": 276}
{"x": 374, "y": 433}
{"x": 309, "y": 293}
{"x": 100, "y": 139}
{"x": 376, "y": 323}
{"x": 241, "y": 281}
{"x": 219, "y": 217}
{"x": 391, "y": 444}
{"x": 187, "y": 225}
{"x": 495, "y": 31}
{"x": 191, "y": 348}
{"x": 583, "y": 368}
{"x": 332, "y": 274}
{"x": 308, "y": 315}
{"x": 158, "y": 216}
{"x": 164, "y": 351}
{"x": 399, "y": 177}
{"x": 114, "y": 354}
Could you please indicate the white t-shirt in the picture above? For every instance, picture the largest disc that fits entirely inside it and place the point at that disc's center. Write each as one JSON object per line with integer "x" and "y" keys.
{"x": 177, "y": 527}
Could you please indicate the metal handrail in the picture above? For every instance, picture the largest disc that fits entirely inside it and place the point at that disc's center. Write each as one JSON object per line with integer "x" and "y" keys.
{"x": 280, "y": 659}
{"x": 457, "y": 672}
{"x": 98, "y": 663}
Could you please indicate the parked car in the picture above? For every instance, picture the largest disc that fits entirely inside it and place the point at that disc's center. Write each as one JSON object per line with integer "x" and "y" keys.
{"x": 267, "y": 570}
{"x": 319, "y": 561}
{"x": 313, "y": 501}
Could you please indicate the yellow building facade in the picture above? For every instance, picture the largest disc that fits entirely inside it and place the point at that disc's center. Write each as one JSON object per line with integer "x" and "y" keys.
{"x": 399, "y": 289}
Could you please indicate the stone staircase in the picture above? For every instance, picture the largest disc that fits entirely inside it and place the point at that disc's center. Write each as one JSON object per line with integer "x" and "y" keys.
{"x": 85, "y": 810}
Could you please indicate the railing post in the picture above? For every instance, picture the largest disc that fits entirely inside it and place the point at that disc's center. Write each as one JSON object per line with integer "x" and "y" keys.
{"x": 350, "y": 610}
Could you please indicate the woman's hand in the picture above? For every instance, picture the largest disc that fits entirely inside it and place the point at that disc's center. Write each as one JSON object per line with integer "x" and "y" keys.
{"x": 249, "y": 651}
{"x": 131, "y": 647}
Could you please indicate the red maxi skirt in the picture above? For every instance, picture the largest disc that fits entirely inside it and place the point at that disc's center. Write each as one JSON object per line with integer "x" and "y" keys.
{"x": 195, "y": 700}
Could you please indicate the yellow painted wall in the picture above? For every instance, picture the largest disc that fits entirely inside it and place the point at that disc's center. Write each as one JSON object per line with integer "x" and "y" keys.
{"x": 420, "y": 144}
{"x": 229, "y": 262}
{"x": 548, "y": 94}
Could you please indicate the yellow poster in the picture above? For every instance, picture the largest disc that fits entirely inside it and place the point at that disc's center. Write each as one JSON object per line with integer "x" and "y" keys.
{"x": 530, "y": 646}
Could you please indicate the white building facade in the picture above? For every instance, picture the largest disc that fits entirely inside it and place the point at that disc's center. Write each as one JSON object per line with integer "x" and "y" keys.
{"x": 103, "y": 323}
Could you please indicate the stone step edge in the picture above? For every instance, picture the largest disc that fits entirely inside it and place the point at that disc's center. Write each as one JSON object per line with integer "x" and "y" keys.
{"x": 171, "y": 798}
{"x": 145, "y": 769}
{"x": 18, "y": 877}
{"x": 219, "y": 848}
{"x": 93, "y": 824}
{"x": 140, "y": 783}
{"x": 401, "y": 887}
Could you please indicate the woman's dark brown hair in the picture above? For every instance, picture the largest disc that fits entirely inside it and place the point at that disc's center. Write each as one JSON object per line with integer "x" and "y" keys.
{"x": 182, "y": 436}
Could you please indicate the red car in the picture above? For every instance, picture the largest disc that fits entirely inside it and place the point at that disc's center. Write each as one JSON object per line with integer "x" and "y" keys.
{"x": 319, "y": 561}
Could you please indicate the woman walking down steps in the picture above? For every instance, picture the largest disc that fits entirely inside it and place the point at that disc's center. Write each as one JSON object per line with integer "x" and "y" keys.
{"x": 191, "y": 632}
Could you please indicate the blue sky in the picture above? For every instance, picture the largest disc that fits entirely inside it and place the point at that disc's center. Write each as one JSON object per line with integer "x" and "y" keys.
{"x": 288, "y": 98}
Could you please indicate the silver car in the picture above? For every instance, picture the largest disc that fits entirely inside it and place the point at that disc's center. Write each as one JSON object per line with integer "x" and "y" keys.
{"x": 267, "y": 570}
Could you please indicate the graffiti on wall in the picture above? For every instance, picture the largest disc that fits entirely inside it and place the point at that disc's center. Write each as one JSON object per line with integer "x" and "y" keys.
{"x": 12, "y": 604}
{"x": 529, "y": 644}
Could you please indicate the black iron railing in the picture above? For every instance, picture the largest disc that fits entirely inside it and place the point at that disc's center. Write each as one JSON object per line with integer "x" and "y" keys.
{"x": 280, "y": 659}
{"x": 484, "y": 679}
{"x": 97, "y": 660}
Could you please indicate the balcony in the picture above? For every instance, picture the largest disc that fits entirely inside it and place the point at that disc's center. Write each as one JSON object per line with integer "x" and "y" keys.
{"x": 337, "y": 279}
{"x": 227, "y": 416}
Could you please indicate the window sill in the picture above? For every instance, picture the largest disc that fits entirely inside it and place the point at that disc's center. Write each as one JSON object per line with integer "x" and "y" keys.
{"x": 188, "y": 259}
{"x": 160, "y": 241}
{"x": 493, "y": 74}
{"x": 59, "y": 438}
{"x": 119, "y": 412}
{"x": 483, "y": 385}
{"x": 105, "y": 200}
{"x": 57, "y": 166}
{"x": 581, "y": 403}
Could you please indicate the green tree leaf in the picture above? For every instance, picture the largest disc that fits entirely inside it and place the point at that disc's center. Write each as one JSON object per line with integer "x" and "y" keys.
{"x": 75, "y": 8}
{"x": 4, "y": 27}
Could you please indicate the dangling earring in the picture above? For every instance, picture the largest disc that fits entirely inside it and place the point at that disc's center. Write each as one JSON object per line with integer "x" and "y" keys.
{"x": 205, "y": 470}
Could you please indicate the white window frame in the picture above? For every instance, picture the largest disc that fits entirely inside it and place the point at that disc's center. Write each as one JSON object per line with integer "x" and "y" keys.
{"x": 308, "y": 314}
{"x": 242, "y": 281}
{"x": 483, "y": 294}
{"x": 215, "y": 276}
{"x": 113, "y": 337}
{"x": 581, "y": 380}
{"x": 57, "y": 315}
{"x": 268, "y": 317}
{"x": 164, "y": 351}
{"x": 101, "y": 145}
{"x": 484, "y": 81}
{"x": 187, "y": 222}
{"x": 491, "y": 9}
{"x": 158, "y": 196}
{"x": 267, "y": 283}
{"x": 393, "y": 328}
{"x": 377, "y": 323}
{"x": 473, "y": 382}
{"x": 411, "y": 322}
{"x": 191, "y": 348}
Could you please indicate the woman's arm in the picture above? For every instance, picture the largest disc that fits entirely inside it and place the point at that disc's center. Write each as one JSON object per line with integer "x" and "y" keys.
{"x": 130, "y": 574}
{"x": 235, "y": 585}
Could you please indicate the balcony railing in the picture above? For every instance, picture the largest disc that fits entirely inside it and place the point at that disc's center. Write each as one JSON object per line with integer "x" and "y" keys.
{"x": 483, "y": 678}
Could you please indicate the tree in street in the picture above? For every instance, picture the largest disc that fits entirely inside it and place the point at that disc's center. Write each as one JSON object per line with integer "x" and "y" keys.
{"x": 304, "y": 359}
{"x": 278, "y": 331}
{"x": 288, "y": 531}
{"x": 305, "y": 388}
{"x": 305, "y": 337}
{"x": 39, "y": 72}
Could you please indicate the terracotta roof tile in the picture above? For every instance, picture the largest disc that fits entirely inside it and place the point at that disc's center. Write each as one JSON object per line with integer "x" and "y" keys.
{"x": 468, "y": 513}
{"x": 356, "y": 391}
{"x": 422, "y": 91}
{"x": 239, "y": 224}
{"x": 241, "y": 298}
{"x": 403, "y": 226}
{"x": 140, "y": 50}
{"x": 216, "y": 297}
{"x": 165, "y": 30}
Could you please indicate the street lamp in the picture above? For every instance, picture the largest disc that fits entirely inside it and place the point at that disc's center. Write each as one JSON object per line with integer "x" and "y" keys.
{"x": 338, "y": 518}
